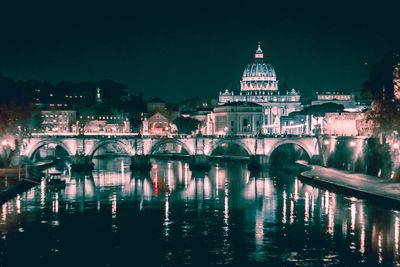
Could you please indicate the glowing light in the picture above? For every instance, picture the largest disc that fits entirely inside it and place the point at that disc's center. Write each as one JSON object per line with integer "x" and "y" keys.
{"x": 166, "y": 220}
{"x": 306, "y": 207}
{"x": 396, "y": 145}
{"x": 353, "y": 216}
{"x": 55, "y": 203}
{"x": 291, "y": 211}
{"x": 326, "y": 142}
{"x": 353, "y": 144}
{"x": 18, "y": 204}
{"x": 4, "y": 213}
{"x": 284, "y": 207}
{"x": 380, "y": 257}
{"x": 396, "y": 233}
{"x": 114, "y": 205}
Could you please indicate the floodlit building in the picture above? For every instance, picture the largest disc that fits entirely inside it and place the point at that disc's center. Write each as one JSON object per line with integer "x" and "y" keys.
{"x": 340, "y": 98}
{"x": 259, "y": 84}
{"x": 57, "y": 121}
{"x": 236, "y": 118}
{"x": 347, "y": 124}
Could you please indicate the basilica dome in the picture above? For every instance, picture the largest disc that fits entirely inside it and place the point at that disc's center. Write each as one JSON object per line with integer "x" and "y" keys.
{"x": 259, "y": 76}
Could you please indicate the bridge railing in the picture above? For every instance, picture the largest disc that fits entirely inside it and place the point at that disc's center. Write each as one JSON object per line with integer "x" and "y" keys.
{"x": 181, "y": 136}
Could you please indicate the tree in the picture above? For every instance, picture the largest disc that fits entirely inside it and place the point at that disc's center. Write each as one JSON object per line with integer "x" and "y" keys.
{"x": 320, "y": 110}
{"x": 379, "y": 78}
{"x": 186, "y": 125}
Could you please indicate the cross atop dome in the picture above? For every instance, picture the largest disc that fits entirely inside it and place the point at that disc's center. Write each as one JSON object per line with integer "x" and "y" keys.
{"x": 259, "y": 52}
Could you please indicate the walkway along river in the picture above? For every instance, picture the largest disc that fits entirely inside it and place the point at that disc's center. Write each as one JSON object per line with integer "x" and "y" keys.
{"x": 173, "y": 217}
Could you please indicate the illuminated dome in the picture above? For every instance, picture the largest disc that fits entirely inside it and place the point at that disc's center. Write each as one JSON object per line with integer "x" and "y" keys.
{"x": 259, "y": 76}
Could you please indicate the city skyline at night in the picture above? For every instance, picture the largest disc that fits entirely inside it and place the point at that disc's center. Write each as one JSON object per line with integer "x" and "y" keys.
{"x": 177, "y": 51}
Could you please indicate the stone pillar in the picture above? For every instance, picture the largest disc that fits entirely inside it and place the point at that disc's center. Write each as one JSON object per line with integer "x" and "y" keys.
{"x": 200, "y": 163}
{"x": 140, "y": 163}
{"x": 258, "y": 163}
{"x": 81, "y": 163}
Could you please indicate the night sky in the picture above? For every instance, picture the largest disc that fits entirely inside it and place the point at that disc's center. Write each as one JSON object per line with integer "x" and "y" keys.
{"x": 176, "y": 50}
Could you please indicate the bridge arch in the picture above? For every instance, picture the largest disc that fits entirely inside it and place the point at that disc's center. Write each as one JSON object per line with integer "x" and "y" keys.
{"x": 123, "y": 143}
{"x": 160, "y": 143}
{"x": 45, "y": 142}
{"x": 220, "y": 143}
{"x": 294, "y": 142}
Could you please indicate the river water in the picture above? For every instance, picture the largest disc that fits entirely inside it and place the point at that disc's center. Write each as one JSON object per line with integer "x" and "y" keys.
{"x": 173, "y": 217}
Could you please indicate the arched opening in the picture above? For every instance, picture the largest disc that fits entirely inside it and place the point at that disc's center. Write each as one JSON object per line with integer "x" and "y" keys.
{"x": 110, "y": 150}
{"x": 50, "y": 155}
{"x": 231, "y": 150}
{"x": 165, "y": 149}
{"x": 49, "y": 152}
{"x": 284, "y": 156}
{"x": 111, "y": 156}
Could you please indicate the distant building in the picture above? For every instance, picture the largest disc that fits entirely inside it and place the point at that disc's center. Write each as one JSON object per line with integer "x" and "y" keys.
{"x": 102, "y": 124}
{"x": 56, "y": 120}
{"x": 295, "y": 124}
{"x": 259, "y": 85}
{"x": 340, "y": 98}
{"x": 235, "y": 118}
{"x": 347, "y": 124}
{"x": 157, "y": 124}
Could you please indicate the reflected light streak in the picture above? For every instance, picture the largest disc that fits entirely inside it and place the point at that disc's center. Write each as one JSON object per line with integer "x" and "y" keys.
{"x": 114, "y": 205}
{"x": 4, "y": 213}
{"x": 186, "y": 174}
{"x": 216, "y": 180}
{"x": 55, "y": 203}
{"x": 122, "y": 170}
{"x": 362, "y": 239}
{"x": 42, "y": 193}
{"x": 353, "y": 216}
{"x": 396, "y": 234}
{"x": 380, "y": 257}
{"x": 284, "y": 208}
{"x": 312, "y": 205}
{"x": 306, "y": 207}
{"x": 18, "y": 204}
{"x": 291, "y": 211}
{"x": 331, "y": 214}
{"x": 259, "y": 231}
{"x": 326, "y": 204}
{"x": 166, "y": 221}
{"x": 226, "y": 206}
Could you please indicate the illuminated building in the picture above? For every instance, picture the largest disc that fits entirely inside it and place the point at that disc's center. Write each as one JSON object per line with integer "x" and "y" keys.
{"x": 237, "y": 118}
{"x": 56, "y": 120}
{"x": 259, "y": 84}
{"x": 340, "y": 98}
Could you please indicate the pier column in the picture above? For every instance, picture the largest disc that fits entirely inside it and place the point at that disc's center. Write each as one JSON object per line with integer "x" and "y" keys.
{"x": 81, "y": 163}
{"x": 258, "y": 163}
{"x": 200, "y": 163}
{"x": 140, "y": 163}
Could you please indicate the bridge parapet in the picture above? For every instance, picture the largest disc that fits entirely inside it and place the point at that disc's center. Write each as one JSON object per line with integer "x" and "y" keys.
{"x": 135, "y": 144}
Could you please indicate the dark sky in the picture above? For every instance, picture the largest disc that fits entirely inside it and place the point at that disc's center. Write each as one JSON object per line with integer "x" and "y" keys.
{"x": 176, "y": 50}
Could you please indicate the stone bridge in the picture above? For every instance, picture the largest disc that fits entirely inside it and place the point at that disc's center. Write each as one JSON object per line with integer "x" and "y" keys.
{"x": 81, "y": 148}
{"x": 148, "y": 145}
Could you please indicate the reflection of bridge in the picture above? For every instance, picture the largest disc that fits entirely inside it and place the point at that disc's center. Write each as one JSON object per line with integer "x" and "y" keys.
{"x": 148, "y": 145}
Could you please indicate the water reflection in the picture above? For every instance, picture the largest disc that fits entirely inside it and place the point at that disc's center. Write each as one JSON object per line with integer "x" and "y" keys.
{"x": 173, "y": 216}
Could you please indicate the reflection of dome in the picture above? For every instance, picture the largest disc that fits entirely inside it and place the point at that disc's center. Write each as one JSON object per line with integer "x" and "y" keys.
{"x": 259, "y": 76}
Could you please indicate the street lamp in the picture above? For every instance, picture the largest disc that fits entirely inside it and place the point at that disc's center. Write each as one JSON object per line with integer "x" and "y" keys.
{"x": 226, "y": 130}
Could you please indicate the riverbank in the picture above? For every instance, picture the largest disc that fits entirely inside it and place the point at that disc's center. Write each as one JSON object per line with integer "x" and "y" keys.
{"x": 359, "y": 185}
{"x": 11, "y": 185}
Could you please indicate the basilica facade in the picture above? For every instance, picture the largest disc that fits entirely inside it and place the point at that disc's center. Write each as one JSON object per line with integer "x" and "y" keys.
{"x": 259, "y": 85}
